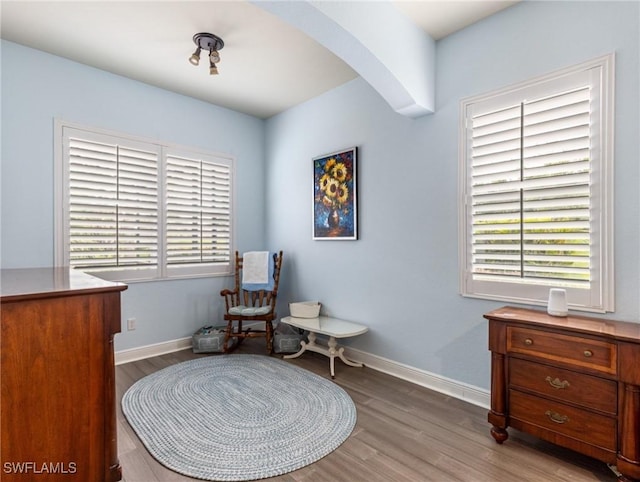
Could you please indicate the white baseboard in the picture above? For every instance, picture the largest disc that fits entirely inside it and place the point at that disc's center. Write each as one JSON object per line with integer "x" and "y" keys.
{"x": 148, "y": 351}
{"x": 468, "y": 393}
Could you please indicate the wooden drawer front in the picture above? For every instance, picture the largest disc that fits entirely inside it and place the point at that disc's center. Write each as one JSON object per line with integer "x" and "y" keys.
{"x": 564, "y": 385}
{"x": 569, "y": 349}
{"x": 576, "y": 423}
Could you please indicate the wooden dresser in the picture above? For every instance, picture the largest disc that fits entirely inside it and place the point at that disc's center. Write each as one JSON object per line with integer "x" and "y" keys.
{"x": 57, "y": 405}
{"x": 574, "y": 381}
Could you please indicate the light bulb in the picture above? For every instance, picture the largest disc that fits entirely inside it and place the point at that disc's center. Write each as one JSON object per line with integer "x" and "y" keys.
{"x": 195, "y": 57}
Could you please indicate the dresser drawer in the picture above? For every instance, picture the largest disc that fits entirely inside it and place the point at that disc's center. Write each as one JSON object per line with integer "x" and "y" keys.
{"x": 582, "y": 425}
{"x": 565, "y": 385}
{"x": 574, "y": 350}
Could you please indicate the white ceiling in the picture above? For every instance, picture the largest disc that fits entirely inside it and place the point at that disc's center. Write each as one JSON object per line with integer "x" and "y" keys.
{"x": 266, "y": 67}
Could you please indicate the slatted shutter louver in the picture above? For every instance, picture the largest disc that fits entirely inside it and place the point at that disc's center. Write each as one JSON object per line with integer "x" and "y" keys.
{"x": 531, "y": 189}
{"x": 113, "y": 206}
{"x": 198, "y": 211}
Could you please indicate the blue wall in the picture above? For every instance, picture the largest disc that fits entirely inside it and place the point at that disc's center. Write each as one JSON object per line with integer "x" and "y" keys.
{"x": 401, "y": 277}
{"x": 38, "y": 87}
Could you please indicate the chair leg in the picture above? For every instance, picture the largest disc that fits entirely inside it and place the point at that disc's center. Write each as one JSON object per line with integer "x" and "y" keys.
{"x": 269, "y": 330}
{"x": 227, "y": 338}
{"x": 241, "y": 334}
{"x": 238, "y": 333}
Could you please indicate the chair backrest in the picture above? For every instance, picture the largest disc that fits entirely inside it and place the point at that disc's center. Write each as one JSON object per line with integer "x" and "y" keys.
{"x": 258, "y": 297}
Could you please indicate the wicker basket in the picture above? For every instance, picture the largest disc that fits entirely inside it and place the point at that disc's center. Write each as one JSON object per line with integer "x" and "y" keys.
{"x": 286, "y": 338}
{"x": 305, "y": 309}
{"x": 208, "y": 340}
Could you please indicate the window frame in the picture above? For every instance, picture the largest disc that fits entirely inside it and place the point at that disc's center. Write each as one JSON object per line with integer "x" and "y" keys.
{"x": 600, "y": 296}
{"x": 163, "y": 270}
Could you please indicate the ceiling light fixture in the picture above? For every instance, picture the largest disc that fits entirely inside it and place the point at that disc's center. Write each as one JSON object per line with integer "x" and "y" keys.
{"x": 210, "y": 42}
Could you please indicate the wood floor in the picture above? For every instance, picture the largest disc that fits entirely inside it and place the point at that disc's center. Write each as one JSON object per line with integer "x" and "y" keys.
{"x": 404, "y": 433}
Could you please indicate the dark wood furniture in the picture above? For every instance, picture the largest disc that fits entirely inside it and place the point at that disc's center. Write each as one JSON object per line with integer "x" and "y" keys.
{"x": 241, "y": 304}
{"x": 574, "y": 381}
{"x": 57, "y": 405}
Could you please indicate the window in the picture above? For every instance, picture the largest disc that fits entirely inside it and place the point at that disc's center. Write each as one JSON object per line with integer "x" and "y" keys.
{"x": 198, "y": 211}
{"x": 536, "y": 174}
{"x": 129, "y": 209}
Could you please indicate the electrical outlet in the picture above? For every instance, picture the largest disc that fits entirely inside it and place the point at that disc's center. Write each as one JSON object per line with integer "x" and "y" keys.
{"x": 131, "y": 324}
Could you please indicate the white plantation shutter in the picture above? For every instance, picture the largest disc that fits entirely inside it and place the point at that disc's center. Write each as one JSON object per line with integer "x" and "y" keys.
{"x": 530, "y": 189}
{"x": 129, "y": 209}
{"x": 556, "y": 187}
{"x": 198, "y": 196}
{"x": 496, "y": 175}
{"x": 113, "y": 205}
{"x": 535, "y": 191}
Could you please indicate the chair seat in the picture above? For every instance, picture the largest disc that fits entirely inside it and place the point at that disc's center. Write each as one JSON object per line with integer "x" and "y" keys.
{"x": 249, "y": 310}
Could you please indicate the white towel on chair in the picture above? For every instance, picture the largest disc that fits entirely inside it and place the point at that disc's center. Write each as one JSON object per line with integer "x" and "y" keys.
{"x": 255, "y": 267}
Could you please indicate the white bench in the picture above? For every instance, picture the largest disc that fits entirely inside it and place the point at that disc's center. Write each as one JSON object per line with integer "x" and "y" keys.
{"x": 333, "y": 328}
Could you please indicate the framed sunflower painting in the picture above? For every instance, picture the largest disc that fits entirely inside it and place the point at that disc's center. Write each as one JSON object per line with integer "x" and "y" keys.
{"x": 335, "y": 210}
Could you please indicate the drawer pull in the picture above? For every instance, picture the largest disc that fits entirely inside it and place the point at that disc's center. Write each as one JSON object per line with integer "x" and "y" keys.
{"x": 556, "y": 383}
{"x": 588, "y": 353}
{"x": 556, "y": 417}
{"x": 528, "y": 341}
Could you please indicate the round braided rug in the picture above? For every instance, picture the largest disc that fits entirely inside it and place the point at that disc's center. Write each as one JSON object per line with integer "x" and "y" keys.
{"x": 238, "y": 417}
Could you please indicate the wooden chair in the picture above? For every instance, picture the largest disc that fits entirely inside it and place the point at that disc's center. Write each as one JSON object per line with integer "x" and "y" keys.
{"x": 242, "y": 305}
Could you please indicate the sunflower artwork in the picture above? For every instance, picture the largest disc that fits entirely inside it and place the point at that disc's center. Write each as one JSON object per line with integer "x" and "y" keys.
{"x": 334, "y": 196}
